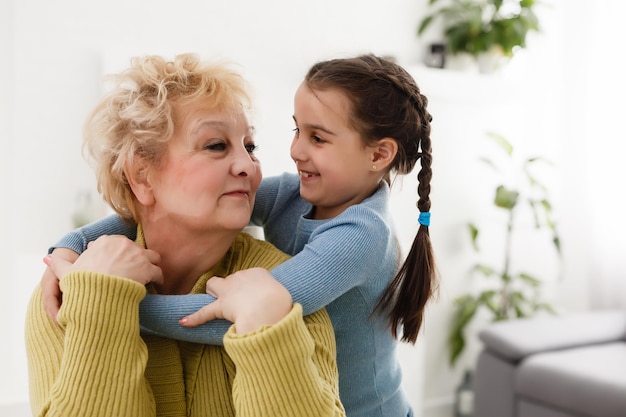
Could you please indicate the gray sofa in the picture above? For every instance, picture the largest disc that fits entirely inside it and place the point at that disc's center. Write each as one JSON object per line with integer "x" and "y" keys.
{"x": 557, "y": 366}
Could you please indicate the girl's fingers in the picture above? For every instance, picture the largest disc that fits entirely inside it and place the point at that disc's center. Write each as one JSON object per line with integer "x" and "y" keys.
{"x": 207, "y": 313}
{"x": 214, "y": 286}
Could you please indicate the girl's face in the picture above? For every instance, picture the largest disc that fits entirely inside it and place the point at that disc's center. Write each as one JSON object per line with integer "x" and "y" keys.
{"x": 335, "y": 167}
{"x": 209, "y": 175}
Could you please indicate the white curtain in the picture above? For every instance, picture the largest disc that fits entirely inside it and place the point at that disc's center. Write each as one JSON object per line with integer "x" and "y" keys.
{"x": 604, "y": 150}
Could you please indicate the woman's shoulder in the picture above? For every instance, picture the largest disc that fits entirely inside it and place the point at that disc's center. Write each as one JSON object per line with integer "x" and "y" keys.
{"x": 250, "y": 252}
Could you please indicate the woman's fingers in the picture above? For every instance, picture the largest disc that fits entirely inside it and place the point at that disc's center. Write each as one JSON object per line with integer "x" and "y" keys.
{"x": 50, "y": 294}
{"x": 59, "y": 266}
{"x": 122, "y": 257}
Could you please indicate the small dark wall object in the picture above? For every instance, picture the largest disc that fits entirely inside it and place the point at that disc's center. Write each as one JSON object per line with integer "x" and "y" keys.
{"x": 436, "y": 55}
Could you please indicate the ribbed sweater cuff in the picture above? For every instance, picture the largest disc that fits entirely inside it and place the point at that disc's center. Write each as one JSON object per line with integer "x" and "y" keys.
{"x": 100, "y": 301}
{"x": 249, "y": 348}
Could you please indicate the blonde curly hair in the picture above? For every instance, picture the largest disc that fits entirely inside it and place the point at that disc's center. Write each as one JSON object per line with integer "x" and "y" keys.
{"x": 136, "y": 118}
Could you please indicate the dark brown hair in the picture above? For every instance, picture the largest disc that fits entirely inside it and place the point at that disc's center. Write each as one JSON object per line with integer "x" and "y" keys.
{"x": 386, "y": 102}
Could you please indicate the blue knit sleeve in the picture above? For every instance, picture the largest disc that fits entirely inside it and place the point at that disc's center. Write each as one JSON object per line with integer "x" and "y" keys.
{"x": 354, "y": 249}
{"x": 78, "y": 239}
{"x": 340, "y": 255}
{"x": 345, "y": 253}
{"x": 159, "y": 315}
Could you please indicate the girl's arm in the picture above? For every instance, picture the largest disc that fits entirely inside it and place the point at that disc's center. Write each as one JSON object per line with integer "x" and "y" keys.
{"x": 159, "y": 314}
{"x": 341, "y": 255}
{"x": 78, "y": 239}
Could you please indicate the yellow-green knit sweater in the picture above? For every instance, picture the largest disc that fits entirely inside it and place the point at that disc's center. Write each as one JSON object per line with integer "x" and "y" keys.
{"x": 95, "y": 363}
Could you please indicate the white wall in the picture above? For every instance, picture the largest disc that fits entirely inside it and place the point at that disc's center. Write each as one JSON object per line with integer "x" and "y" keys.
{"x": 59, "y": 50}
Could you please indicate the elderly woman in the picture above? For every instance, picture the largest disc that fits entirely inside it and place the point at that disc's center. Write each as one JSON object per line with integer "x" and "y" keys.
{"x": 174, "y": 153}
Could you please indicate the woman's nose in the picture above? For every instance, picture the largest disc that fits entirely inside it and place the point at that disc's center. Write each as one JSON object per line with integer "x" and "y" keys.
{"x": 244, "y": 163}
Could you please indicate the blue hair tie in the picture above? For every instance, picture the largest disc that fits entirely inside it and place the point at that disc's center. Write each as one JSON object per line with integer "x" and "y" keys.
{"x": 424, "y": 218}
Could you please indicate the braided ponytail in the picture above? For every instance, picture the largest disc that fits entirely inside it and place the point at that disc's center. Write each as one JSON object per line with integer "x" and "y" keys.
{"x": 386, "y": 102}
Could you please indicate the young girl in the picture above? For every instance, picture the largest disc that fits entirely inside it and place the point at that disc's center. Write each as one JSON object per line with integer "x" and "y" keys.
{"x": 358, "y": 120}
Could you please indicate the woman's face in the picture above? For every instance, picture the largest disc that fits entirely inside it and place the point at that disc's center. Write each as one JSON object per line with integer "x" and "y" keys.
{"x": 209, "y": 175}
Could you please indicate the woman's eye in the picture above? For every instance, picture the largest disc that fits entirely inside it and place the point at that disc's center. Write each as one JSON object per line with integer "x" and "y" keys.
{"x": 296, "y": 131}
{"x": 215, "y": 146}
{"x": 317, "y": 139}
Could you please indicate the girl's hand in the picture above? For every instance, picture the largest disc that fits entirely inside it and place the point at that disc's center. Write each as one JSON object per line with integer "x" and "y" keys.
{"x": 250, "y": 299}
{"x": 50, "y": 291}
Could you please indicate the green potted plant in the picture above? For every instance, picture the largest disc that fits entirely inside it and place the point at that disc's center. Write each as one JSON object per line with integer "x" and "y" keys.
{"x": 483, "y": 28}
{"x": 506, "y": 294}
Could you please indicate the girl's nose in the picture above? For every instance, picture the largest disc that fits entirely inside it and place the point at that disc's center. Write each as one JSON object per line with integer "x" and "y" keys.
{"x": 297, "y": 149}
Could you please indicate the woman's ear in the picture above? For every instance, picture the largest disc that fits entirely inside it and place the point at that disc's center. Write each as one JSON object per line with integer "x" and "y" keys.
{"x": 139, "y": 179}
{"x": 384, "y": 153}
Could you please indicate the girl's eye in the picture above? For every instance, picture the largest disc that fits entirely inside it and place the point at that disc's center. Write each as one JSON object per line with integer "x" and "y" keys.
{"x": 251, "y": 147}
{"x": 314, "y": 138}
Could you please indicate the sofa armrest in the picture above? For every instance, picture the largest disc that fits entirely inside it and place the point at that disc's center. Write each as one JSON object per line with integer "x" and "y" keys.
{"x": 515, "y": 339}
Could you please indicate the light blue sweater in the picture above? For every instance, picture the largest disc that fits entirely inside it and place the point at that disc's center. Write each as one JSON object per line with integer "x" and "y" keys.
{"x": 343, "y": 264}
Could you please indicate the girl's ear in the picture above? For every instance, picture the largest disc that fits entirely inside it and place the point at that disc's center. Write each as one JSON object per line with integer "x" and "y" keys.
{"x": 384, "y": 153}
{"x": 139, "y": 179}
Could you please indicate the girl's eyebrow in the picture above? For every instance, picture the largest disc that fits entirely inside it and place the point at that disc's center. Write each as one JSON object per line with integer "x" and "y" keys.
{"x": 316, "y": 127}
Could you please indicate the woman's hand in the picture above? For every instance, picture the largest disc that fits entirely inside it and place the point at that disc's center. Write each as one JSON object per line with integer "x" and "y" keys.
{"x": 250, "y": 299}
{"x": 51, "y": 296}
{"x": 114, "y": 255}
{"x": 119, "y": 256}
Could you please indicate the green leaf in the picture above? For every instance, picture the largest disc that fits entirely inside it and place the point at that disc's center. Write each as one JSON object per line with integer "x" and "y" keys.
{"x": 485, "y": 270}
{"x": 489, "y": 163}
{"x": 535, "y": 211}
{"x": 545, "y": 307}
{"x": 466, "y": 307}
{"x": 557, "y": 243}
{"x": 529, "y": 279}
{"x": 506, "y": 198}
{"x": 502, "y": 142}
{"x": 486, "y": 298}
{"x": 546, "y": 205}
{"x": 424, "y": 24}
{"x": 491, "y": 304}
{"x": 473, "y": 231}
